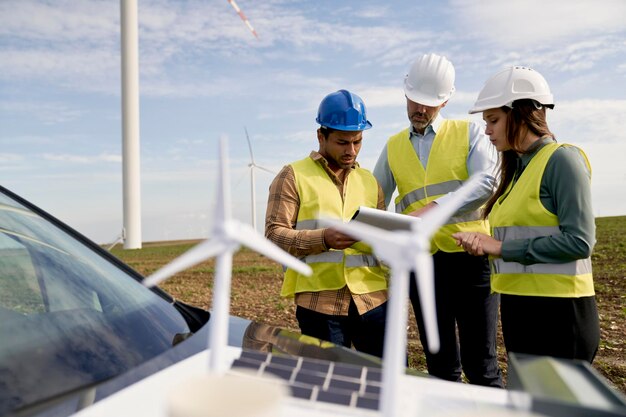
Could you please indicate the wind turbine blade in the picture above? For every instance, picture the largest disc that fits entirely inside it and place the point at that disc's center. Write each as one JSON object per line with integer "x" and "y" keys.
{"x": 265, "y": 169}
{"x": 249, "y": 146}
{"x": 193, "y": 256}
{"x": 425, "y": 280}
{"x": 243, "y": 17}
{"x": 381, "y": 240}
{"x": 247, "y": 236}
{"x": 437, "y": 217}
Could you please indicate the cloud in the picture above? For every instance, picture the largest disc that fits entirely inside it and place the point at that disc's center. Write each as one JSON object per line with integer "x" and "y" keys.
{"x": 62, "y": 20}
{"x": 76, "y": 68}
{"x": 29, "y": 141}
{"x": 82, "y": 159}
{"x": 8, "y": 158}
{"x": 48, "y": 112}
{"x": 526, "y": 22}
{"x": 589, "y": 120}
{"x": 383, "y": 96}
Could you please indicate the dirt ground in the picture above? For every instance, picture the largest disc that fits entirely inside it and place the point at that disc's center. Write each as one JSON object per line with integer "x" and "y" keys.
{"x": 256, "y": 285}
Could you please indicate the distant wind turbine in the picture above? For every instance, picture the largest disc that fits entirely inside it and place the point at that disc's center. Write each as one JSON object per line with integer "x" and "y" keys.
{"x": 254, "y": 166}
{"x": 405, "y": 251}
{"x": 226, "y": 238}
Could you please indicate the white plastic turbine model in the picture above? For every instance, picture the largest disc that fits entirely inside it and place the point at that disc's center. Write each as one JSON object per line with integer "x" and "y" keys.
{"x": 406, "y": 251}
{"x": 226, "y": 238}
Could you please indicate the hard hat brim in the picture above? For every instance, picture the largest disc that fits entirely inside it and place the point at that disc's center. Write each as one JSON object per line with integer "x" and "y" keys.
{"x": 425, "y": 100}
{"x": 343, "y": 128}
{"x": 480, "y": 109}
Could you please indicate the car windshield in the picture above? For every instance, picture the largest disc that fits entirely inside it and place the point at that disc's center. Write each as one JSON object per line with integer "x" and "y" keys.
{"x": 69, "y": 318}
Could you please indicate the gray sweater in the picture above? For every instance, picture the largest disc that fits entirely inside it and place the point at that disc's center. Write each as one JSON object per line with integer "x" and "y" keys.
{"x": 566, "y": 192}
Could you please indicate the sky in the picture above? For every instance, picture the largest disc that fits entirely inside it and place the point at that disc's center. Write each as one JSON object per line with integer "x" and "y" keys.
{"x": 203, "y": 75}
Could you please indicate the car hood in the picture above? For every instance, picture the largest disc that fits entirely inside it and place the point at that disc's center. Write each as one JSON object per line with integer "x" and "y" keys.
{"x": 243, "y": 335}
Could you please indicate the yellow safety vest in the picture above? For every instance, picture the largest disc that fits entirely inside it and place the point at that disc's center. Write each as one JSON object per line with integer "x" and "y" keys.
{"x": 445, "y": 172}
{"x": 355, "y": 266}
{"x": 522, "y": 216}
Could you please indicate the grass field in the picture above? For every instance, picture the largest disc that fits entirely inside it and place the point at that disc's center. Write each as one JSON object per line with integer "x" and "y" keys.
{"x": 256, "y": 285}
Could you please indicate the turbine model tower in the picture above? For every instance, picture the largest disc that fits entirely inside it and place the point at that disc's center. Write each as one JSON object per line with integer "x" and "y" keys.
{"x": 226, "y": 238}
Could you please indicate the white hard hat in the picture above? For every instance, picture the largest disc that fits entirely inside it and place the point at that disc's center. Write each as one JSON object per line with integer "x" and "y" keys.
{"x": 430, "y": 80}
{"x": 510, "y": 84}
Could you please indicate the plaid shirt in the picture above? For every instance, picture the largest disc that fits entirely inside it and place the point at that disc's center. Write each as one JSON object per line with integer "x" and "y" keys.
{"x": 280, "y": 219}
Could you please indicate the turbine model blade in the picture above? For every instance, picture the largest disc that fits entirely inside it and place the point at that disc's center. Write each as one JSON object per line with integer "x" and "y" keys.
{"x": 392, "y": 248}
{"x": 247, "y": 236}
{"x": 425, "y": 281}
{"x": 437, "y": 217}
{"x": 192, "y": 257}
{"x": 383, "y": 242}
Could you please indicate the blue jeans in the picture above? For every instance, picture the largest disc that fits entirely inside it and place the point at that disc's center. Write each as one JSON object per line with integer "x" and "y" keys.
{"x": 366, "y": 332}
{"x": 464, "y": 302}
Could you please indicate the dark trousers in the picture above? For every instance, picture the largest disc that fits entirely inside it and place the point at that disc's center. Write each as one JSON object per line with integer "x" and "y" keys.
{"x": 561, "y": 327}
{"x": 464, "y": 302}
{"x": 366, "y": 332}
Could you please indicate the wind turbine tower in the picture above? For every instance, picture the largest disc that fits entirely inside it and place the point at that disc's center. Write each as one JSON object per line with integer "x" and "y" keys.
{"x": 131, "y": 234}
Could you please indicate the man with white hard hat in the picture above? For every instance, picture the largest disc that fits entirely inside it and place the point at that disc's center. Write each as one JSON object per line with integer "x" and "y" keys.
{"x": 427, "y": 162}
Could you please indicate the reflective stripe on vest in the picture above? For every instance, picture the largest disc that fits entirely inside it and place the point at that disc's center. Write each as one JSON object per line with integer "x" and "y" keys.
{"x": 337, "y": 256}
{"x": 579, "y": 267}
{"x": 445, "y": 173}
{"x": 519, "y": 214}
{"x": 422, "y": 193}
{"x": 355, "y": 266}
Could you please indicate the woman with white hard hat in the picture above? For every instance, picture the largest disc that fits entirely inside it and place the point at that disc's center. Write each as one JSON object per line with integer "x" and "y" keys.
{"x": 542, "y": 224}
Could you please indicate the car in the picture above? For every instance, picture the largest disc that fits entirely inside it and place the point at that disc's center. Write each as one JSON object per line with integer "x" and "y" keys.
{"x": 81, "y": 335}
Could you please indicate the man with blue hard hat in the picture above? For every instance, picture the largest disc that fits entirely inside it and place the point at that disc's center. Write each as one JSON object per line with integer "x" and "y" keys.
{"x": 345, "y": 300}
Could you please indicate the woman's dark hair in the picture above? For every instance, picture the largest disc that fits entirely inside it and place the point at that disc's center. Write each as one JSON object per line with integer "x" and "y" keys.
{"x": 526, "y": 116}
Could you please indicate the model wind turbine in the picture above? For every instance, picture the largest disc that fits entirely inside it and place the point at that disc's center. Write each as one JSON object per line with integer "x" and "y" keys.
{"x": 406, "y": 251}
{"x": 226, "y": 238}
{"x": 254, "y": 166}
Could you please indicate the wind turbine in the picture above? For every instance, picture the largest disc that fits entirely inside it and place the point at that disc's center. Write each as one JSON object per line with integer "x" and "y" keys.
{"x": 243, "y": 17}
{"x": 253, "y": 166}
{"x": 227, "y": 236}
{"x": 406, "y": 250}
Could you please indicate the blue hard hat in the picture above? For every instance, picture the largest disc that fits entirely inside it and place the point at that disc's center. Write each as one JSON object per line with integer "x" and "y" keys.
{"x": 343, "y": 110}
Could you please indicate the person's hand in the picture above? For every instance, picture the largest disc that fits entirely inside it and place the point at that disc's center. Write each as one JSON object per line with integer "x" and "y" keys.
{"x": 334, "y": 239}
{"x": 478, "y": 243}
